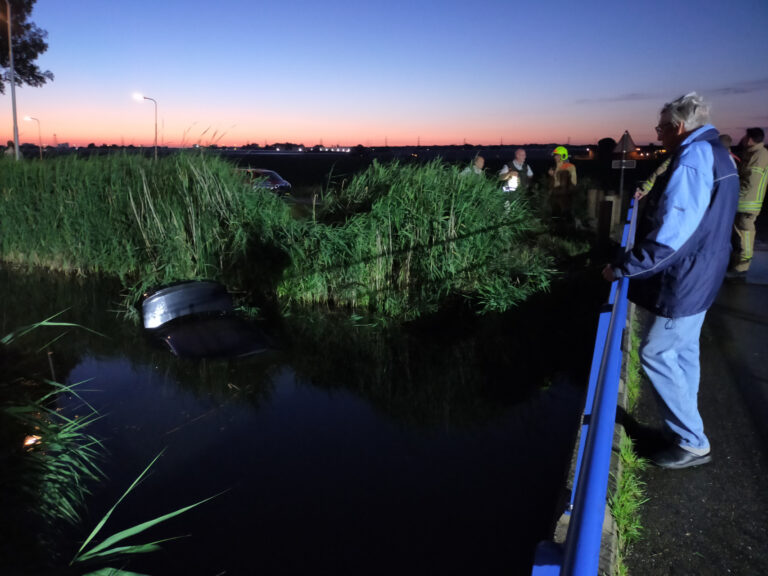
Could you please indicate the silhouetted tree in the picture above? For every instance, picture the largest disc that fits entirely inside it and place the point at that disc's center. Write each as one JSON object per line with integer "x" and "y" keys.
{"x": 28, "y": 43}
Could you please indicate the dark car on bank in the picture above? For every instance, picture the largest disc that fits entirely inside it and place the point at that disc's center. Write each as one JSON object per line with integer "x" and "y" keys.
{"x": 268, "y": 179}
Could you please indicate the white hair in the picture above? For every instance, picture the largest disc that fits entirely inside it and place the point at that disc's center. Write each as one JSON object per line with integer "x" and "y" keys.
{"x": 690, "y": 110}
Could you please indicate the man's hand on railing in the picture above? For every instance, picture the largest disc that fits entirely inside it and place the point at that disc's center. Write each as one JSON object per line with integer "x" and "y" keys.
{"x": 608, "y": 273}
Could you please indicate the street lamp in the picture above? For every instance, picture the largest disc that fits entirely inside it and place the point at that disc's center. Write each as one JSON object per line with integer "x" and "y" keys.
{"x": 39, "y": 135}
{"x": 12, "y": 75}
{"x": 141, "y": 97}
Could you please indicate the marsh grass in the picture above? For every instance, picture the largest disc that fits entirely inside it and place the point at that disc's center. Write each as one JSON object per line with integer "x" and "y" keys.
{"x": 60, "y": 458}
{"x": 60, "y": 461}
{"x": 399, "y": 240}
{"x": 395, "y": 240}
{"x": 184, "y": 217}
{"x": 55, "y": 473}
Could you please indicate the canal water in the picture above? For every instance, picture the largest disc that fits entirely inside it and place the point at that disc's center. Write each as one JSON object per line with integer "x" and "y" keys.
{"x": 438, "y": 449}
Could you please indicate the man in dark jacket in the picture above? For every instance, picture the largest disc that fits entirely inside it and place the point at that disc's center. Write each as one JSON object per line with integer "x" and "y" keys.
{"x": 677, "y": 266}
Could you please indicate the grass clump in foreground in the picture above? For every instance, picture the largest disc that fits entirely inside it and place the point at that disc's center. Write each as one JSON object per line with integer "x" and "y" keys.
{"x": 49, "y": 477}
{"x": 59, "y": 457}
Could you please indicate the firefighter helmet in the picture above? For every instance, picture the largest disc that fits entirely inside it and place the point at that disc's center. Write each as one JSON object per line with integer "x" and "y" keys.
{"x": 562, "y": 151}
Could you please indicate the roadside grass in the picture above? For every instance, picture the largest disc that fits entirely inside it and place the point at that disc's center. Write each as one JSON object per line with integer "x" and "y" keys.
{"x": 629, "y": 494}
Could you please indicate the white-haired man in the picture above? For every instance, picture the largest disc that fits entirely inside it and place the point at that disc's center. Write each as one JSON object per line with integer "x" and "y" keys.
{"x": 677, "y": 266}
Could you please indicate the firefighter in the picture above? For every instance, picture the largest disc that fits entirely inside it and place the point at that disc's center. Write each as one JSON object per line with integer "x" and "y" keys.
{"x": 562, "y": 182}
{"x": 753, "y": 178}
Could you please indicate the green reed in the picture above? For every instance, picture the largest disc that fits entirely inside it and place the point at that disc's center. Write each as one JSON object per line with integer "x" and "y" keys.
{"x": 127, "y": 216}
{"x": 401, "y": 238}
{"x": 114, "y": 547}
{"x": 52, "y": 473}
{"x": 396, "y": 240}
{"x": 59, "y": 457}
{"x": 56, "y": 471}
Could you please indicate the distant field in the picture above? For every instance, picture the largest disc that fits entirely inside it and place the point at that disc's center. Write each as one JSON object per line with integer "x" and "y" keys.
{"x": 308, "y": 171}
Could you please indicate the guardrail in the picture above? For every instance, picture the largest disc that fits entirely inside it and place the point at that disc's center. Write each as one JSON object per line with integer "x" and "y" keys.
{"x": 579, "y": 555}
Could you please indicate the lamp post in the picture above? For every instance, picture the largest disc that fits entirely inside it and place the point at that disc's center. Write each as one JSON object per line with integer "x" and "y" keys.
{"x": 39, "y": 135}
{"x": 12, "y": 74}
{"x": 141, "y": 97}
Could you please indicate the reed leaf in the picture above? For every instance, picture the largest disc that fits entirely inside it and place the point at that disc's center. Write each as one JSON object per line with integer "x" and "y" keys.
{"x": 107, "y": 549}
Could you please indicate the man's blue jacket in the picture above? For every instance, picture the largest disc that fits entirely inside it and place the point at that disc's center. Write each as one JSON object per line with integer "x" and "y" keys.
{"x": 682, "y": 246}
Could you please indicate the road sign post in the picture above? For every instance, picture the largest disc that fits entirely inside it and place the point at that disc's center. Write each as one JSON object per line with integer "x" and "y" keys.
{"x": 625, "y": 145}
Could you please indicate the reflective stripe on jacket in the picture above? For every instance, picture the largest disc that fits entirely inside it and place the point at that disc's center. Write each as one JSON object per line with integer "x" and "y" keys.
{"x": 753, "y": 174}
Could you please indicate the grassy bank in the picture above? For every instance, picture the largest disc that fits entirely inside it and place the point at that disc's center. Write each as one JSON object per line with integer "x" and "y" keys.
{"x": 396, "y": 240}
{"x": 129, "y": 216}
{"x": 629, "y": 495}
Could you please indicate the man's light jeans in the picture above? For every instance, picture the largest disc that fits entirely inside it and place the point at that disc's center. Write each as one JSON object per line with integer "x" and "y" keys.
{"x": 669, "y": 351}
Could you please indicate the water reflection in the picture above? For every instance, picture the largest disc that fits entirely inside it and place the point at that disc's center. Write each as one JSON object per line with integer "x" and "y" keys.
{"x": 211, "y": 337}
{"x": 347, "y": 451}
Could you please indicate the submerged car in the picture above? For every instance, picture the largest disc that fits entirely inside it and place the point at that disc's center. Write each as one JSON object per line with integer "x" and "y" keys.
{"x": 268, "y": 179}
{"x": 196, "y": 319}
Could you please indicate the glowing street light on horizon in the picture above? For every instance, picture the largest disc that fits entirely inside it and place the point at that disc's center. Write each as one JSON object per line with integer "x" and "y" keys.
{"x": 140, "y": 97}
{"x": 39, "y": 135}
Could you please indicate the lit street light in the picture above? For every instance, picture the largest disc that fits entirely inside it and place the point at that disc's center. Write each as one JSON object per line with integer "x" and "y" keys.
{"x": 39, "y": 135}
{"x": 141, "y": 97}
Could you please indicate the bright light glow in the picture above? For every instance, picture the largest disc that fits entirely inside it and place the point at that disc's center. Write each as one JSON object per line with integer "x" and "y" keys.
{"x": 138, "y": 96}
{"x": 31, "y": 440}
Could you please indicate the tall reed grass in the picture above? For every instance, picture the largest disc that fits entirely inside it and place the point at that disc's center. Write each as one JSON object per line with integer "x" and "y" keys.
{"x": 396, "y": 241}
{"x": 124, "y": 215}
{"x": 401, "y": 239}
{"x": 62, "y": 458}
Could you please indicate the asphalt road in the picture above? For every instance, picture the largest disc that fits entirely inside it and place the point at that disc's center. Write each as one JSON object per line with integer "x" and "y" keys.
{"x": 713, "y": 519}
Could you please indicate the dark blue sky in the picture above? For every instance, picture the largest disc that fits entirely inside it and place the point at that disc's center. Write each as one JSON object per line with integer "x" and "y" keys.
{"x": 438, "y": 72}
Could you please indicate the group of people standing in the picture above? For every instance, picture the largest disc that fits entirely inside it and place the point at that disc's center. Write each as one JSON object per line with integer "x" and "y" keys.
{"x": 698, "y": 203}
{"x": 517, "y": 176}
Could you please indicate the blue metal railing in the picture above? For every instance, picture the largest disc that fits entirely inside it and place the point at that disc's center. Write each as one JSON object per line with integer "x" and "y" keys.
{"x": 580, "y": 554}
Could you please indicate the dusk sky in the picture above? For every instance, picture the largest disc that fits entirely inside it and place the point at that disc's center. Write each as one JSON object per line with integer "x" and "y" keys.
{"x": 234, "y": 72}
